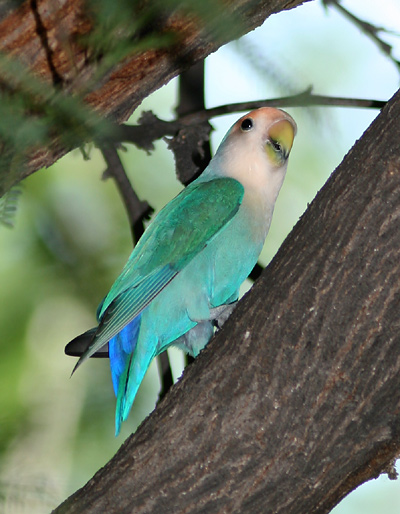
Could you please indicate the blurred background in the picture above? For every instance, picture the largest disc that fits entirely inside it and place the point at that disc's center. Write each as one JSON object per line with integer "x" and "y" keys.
{"x": 71, "y": 239}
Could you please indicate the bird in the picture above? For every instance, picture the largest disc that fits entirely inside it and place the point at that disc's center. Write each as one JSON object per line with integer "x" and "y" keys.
{"x": 182, "y": 279}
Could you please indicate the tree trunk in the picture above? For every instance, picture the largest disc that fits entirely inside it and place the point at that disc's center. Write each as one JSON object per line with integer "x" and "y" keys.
{"x": 296, "y": 401}
{"x": 48, "y": 37}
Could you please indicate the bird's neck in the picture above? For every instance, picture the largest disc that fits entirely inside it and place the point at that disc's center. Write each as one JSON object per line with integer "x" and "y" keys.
{"x": 261, "y": 185}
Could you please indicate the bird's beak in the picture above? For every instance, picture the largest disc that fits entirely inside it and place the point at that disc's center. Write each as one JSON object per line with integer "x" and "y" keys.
{"x": 280, "y": 140}
{"x": 283, "y": 132}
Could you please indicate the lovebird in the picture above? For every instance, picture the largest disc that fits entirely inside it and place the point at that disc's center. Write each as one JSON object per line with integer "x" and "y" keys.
{"x": 182, "y": 279}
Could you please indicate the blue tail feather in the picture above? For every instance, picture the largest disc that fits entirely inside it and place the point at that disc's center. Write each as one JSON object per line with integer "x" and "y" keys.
{"x": 136, "y": 366}
{"x": 121, "y": 348}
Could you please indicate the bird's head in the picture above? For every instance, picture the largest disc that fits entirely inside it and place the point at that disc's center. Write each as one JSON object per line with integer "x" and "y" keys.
{"x": 269, "y": 129}
{"x": 256, "y": 149}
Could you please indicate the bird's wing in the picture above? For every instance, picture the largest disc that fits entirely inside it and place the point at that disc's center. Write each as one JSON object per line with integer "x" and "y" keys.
{"x": 179, "y": 232}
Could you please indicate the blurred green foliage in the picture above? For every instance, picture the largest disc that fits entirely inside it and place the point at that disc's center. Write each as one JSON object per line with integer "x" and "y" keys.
{"x": 32, "y": 114}
{"x": 8, "y": 206}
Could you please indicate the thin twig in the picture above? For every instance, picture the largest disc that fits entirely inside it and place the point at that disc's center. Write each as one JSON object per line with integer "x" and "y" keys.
{"x": 136, "y": 209}
{"x": 304, "y": 99}
{"x": 367, "y": 28}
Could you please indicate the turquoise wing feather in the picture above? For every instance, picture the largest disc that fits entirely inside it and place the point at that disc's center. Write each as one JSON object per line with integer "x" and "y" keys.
{"x": 178, "y": 233}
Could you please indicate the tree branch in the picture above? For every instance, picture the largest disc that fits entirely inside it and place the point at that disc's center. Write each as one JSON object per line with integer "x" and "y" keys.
{"x": 151, "y": 128}
{"x": 303, "y": 99}
{"x": 296, "y": 401}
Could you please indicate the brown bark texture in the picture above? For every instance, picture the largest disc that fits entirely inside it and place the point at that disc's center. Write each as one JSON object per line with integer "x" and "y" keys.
{"x": 48, "y": 37}
{"x": 296, "y": 401}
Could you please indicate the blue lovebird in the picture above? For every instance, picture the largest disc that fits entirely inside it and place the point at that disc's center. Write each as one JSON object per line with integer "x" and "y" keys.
{"x": 186, "y": 270}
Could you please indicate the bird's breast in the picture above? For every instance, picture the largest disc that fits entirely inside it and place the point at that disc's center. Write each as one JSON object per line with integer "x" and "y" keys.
{"x": 234, "y": 252}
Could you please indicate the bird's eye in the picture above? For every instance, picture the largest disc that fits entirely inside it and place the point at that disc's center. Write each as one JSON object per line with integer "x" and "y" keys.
{"x": 277, "y": 146}
{"x": 247, "y": 124}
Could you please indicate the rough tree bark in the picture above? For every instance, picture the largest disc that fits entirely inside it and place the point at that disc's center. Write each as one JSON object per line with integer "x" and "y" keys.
{"x": 296, "y": 401}
{"x": 46, "y": 35}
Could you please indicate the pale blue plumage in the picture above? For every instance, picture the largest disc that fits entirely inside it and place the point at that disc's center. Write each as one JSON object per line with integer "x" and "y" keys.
{"x": 193, "y": 258}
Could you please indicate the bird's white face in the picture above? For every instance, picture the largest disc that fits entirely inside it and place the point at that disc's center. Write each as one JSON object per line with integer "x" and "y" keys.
{"x": 271, "y": 130}
{"x": 255, "y": 152}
